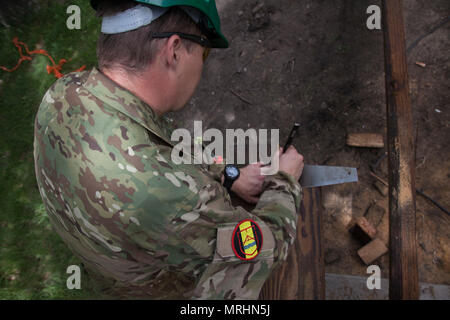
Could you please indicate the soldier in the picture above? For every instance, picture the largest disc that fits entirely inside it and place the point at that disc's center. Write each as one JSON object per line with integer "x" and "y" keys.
{"x": 146, "y": 226}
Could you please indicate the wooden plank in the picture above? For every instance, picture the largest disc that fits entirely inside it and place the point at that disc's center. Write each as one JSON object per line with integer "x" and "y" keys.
{"x": 367, "y": 140}
{"x": 402, "y": 207}
{"x": 302, "y": 275}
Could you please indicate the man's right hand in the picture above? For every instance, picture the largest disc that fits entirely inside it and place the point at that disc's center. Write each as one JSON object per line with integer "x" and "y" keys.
{"x": 291, "y": 162}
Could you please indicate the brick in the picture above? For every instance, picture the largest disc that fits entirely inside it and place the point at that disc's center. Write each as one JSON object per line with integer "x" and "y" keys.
{"x": 372, "y": 251}
{"x": 362, "y": 230}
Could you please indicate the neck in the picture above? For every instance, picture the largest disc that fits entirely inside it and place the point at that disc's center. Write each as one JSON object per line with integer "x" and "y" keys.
{"x": 152, "y": 87}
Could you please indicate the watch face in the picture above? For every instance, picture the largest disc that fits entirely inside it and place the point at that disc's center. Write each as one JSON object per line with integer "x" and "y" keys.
{"x": 232, "y": 172}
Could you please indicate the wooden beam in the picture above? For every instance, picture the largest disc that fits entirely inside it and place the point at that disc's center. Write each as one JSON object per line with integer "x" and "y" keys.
{"x": 403, "y": 278}
{"x": 302, "y": 275}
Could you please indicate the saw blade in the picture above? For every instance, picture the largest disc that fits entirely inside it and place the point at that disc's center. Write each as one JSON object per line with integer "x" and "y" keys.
{"x": 317, "y": 176}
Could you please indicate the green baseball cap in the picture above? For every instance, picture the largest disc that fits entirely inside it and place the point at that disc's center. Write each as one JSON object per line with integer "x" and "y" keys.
{"x": 209, "y": 21}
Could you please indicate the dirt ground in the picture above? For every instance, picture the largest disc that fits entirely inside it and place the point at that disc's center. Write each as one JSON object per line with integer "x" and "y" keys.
{"x": 315, "y": 62}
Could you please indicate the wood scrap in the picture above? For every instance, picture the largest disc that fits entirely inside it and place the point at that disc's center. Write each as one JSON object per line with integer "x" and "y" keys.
{"x": 365, "y": 140}
{"x": 421, "y": 64}
{"x": 382, "y": 188}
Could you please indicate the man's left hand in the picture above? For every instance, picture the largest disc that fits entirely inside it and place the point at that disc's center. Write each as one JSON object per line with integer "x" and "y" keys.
{"x": 249, "y": 185}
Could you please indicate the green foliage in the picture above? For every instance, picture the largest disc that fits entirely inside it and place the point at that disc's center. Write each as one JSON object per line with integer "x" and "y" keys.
{"x": 33, "y": 259}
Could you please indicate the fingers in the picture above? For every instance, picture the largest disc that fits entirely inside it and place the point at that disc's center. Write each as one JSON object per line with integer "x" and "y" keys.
{"x": 255, "y": 170}
{"x": 291, "y": 149}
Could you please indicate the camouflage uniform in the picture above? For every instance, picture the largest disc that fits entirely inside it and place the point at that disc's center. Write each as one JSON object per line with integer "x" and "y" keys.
{"x": 155, "y": 229}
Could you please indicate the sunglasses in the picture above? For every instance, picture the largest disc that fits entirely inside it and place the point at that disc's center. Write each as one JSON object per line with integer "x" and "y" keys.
{"x": 203, "y": 41}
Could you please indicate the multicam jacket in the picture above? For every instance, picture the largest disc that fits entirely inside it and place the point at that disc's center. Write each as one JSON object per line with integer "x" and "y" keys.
{"x": 153, "y": 228}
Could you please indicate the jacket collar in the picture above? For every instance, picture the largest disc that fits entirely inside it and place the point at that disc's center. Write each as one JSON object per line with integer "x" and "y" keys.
{"x": 127, "y": 103}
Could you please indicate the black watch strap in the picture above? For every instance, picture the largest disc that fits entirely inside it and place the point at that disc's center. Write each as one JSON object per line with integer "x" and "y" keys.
{"x": 229, "y": 180}
{"x": 228, "y": 183}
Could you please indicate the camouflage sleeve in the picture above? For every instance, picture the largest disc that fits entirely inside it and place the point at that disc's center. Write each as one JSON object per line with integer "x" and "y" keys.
{"x": 216, "y": 170}
{"x": 280, "y": 199}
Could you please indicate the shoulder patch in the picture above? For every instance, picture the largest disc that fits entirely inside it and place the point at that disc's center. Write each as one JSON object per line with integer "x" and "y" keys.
{"x": 244, "y": 241}
{"x": 247, "y": 240}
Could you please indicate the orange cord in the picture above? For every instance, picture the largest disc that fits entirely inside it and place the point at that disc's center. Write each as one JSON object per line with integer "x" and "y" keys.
{"x": 54, "y": 68}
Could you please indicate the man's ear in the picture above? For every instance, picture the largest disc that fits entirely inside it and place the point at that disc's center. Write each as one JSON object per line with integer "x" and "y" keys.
{"x": 173, "y": 50}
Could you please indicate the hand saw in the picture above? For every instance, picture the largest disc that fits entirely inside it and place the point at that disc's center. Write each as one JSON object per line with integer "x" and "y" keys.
{"x": 317, "y": 176}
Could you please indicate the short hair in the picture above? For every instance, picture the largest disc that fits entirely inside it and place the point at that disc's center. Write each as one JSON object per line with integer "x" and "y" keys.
{"x": 134, "y": 50}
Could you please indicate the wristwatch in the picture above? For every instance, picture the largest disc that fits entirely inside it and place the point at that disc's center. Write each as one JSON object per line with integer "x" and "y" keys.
{"x": 231, "y": 174}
